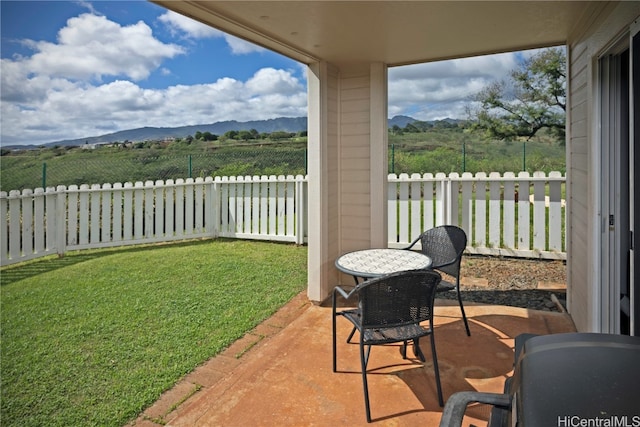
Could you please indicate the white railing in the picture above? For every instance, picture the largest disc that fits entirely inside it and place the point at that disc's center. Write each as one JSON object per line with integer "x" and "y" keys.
{"x": 509, "y": 215}
{"x": 56, "y": 220}
{"x": 518, "y": 216}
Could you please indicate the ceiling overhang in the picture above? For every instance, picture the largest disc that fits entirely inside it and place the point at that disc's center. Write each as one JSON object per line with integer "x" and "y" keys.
{"x": 392, "y": 32}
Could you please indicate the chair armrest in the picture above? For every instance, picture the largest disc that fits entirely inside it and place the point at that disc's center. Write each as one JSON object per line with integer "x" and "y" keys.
{"x": 412, "y": 244}
{"x": 456, "y": 406}
{"x": 345, "y": 294}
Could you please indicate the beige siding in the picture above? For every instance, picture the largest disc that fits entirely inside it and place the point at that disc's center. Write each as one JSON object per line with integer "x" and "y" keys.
{"x": 354, "y": 158}
{"x": 577, "y": 172}
{"x": 583, "y": 151}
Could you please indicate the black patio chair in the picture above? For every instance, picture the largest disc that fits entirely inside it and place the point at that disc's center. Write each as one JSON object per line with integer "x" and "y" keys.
{"x": 391, "y": 309}
{"x": 445, "y": 245}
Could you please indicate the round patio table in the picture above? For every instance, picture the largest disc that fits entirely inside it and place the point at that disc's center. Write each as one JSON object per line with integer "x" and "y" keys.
{"x": 370, "y": 263}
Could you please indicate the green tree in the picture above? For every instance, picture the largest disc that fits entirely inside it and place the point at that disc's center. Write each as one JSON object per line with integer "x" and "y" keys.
{"x": 533, "y": 98}
{"x": 208, "y": 136}
{"x": 231, "y": 134}
{"x": 244, "y": 135}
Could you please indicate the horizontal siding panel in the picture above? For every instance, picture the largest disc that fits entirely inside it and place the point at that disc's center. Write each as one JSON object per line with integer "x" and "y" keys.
{"x": 349, "y": 129}
{"x": 578, "y": 95}
{"x": 358, "y": 164}
{"x": 579, "y": 128}
{"x": 579, "y": 161}
{"x": 358, "y": 80}
{"x": 354, "y": 94}
{"x": 356, "y": 117}
{"x": 355, "y": 151}
{"x": 356, "y": 199}
{"x": 355, "y": 223}
{"x": 578, "y": 146}
{"x": 355, "y": 177}
{"x": 578, "y": 113}
{"x": 355, "y": 187}
{"x": 354, "y": 106}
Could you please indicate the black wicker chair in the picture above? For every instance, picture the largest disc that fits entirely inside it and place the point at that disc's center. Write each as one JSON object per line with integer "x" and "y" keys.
{"x": 391, "y": 309}
{"x": 445, "y": 245}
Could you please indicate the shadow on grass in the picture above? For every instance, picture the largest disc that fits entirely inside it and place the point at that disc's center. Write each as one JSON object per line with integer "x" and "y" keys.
{"x": 15, "y": 273}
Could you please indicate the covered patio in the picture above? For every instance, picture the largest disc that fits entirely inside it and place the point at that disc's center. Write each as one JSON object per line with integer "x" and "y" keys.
{"x": 348, "y": 47}
{"x": 280, "y": 373}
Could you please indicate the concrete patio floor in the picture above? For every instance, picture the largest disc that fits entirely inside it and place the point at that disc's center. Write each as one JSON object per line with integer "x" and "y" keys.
{"x": 280, "y": 373}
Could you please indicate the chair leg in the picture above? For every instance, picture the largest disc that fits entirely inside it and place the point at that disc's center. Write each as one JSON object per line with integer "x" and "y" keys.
{"x": 436, "y": 370}
{"x": 334, "y": 333}
{"x": 417, "y": 351}
{"x": 363, "y": 363}
{"x": 464, "y": 316}
{"x": 353, "y": 331}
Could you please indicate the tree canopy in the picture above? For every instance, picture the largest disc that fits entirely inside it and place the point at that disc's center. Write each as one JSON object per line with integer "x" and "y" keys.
{"x": 532, "y": 98}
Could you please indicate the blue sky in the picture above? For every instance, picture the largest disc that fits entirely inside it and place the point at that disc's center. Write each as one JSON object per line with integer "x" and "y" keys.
{"x": 78, "y": 69}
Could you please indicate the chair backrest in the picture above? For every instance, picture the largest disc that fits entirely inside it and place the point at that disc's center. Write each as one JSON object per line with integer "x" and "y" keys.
{"x": 444, "y": 245}
{"x": 398, "y": 299}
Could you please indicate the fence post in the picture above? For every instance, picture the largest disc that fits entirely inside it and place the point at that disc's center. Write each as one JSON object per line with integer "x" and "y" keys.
{"x": 464, "y": 157}
{"x": 44, "y": 175}
{"x": 393, "y": 158}
{"x": 190, "y": 167}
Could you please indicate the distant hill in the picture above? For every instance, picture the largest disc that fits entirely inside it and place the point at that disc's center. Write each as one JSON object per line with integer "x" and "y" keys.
{"x": 400, "y": 121}
{"x": 285, "y": 124}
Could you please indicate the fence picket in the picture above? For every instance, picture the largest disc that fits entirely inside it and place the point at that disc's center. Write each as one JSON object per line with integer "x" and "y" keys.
{"x": 509, "y": 211}
{"x": 15, "y": 213}
{"x": 94, "y": 217}
{"x": 524, "y": 225}
{"x": 555, "y": 213}
{"x": 127, "y": 212}
{"x": 6, "y": 230}
{"x": 539, "y": 212}
{"x": 27, "y": 222}
{"x": 282, "y": 206}
{"x": 479, "y": 235}
{"x": 117, "y": 212}
{"x": 179, "y": 208}
{"x": 495, "y": 203}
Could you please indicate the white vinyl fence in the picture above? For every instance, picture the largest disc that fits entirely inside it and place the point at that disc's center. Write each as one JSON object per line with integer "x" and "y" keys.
{"x": 502, "y": 215}
{"x": 509, "y": 215}
{"x": 38, "y": 223}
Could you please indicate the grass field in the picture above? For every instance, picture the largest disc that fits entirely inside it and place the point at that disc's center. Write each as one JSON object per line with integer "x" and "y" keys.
{"x": 93, "y": 338}
{"x": 438, "y": 150}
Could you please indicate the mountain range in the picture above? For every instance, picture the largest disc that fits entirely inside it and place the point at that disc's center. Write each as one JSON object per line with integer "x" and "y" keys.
{"x": 284, "y": 124}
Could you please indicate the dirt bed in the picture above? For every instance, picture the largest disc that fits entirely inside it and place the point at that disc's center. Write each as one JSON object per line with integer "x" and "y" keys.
{"x": 513, "y": 282}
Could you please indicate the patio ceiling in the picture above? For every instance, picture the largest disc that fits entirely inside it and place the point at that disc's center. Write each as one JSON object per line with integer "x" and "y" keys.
{"x": 392, "y": 32}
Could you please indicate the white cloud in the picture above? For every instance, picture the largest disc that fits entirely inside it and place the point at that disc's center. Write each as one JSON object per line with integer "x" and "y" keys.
{"x": 58, "y": 93}
{"x": 272, "y": 81}
{"x": 91, "y": 46}
{"x": 189, "y": 28}
{"x": 438, "y": 90}
{"x": 82, "y": 110}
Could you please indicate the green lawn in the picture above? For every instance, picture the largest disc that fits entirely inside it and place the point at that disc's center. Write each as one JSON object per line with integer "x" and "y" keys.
{"x": 95, "y": 337}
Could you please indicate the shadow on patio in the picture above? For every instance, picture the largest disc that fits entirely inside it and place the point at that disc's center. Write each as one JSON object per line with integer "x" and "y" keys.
{"x": 280, "y": 373}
